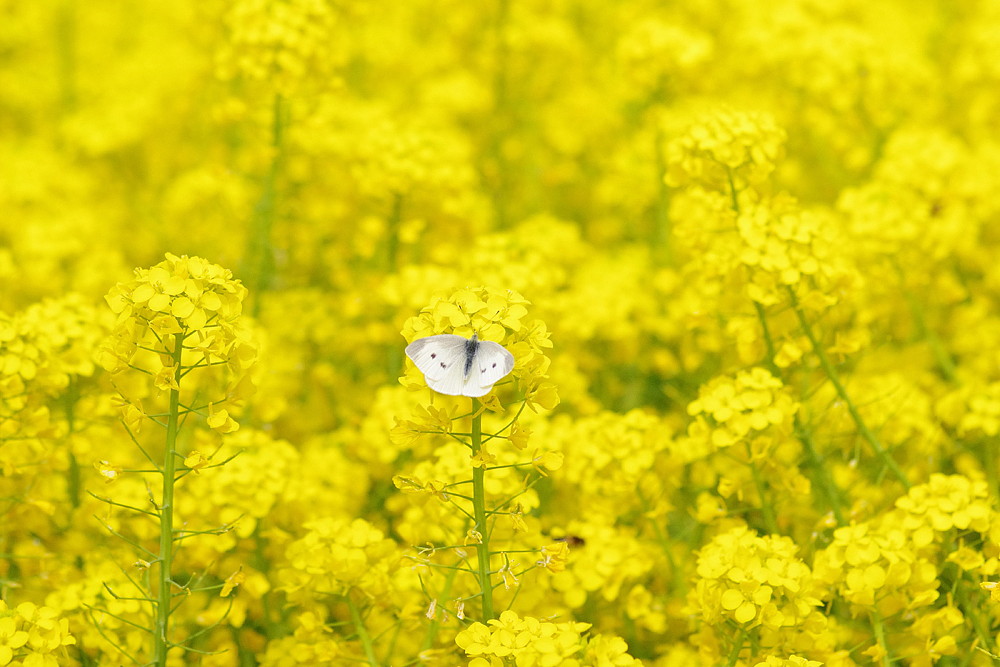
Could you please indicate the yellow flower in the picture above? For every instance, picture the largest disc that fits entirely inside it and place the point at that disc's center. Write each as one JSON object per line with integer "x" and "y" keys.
{"x": 11, "y": 638}
{"x": 220, "y": 421}
{"x": 519, "y": 436}
{"x": 232, "y": 581}
{"x": 554, "y": 556}
{"x": 546, "y": 461}
{"x": 483, "y": 459}
{"x": 528, "y": 640}
{"x": 196, "y": 461}
{"x": 166, "y": 379}
{"x": 109, "y": 472}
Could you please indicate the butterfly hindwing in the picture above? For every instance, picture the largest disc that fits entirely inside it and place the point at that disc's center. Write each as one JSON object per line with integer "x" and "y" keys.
{"x": 438, "y": 356}
{"x": 471, "y": 386}
{"x": 451, "y": 383}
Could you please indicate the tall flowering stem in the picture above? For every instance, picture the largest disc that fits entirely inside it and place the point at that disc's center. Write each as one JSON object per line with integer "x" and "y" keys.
{"x": 179, "y": 324}
{"x": 260, "y": 252}
{"x": 161, "y": 644}
{"x": 479, "y": 511}
{"x": 802, "y": 432}
{"x": 486, "y": 517}
{"x": 880, "y": 451}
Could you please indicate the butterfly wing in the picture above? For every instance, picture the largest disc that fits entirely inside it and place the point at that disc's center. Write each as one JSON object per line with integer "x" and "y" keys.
{"x": 491, "y": 363}
{"x": 437, "y": 357}
{"x": 452, "y": 383}
{"x": 442, "y": 361}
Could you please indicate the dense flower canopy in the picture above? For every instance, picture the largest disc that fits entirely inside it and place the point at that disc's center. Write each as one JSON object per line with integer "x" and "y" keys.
{"x": 742, "y": 254}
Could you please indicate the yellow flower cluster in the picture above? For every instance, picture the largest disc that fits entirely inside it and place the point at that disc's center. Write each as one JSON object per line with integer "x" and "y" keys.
{"x": 972, "y": 410}
{"x": 948, "y": 502}
{"x": 336, "y": 556}
{"x": 311, "y": 643}
{"x": 179, "y": 315}
{"x": 782, "y": 246}
{"x": 23, "y": 409}
{"x": 280, "y": 43}
{"x": 734, "y": 149}
{"x": 493, "y": 315}
{"x": 743, "y": 408}
{"x": 531, "y": 642}
{"x": 655, "y": 53}
{"x": 179, "y": 294}
{"x": 760, "y": 584}
{"x": 43, "y": 349}
{"x": 791, "y": 661}
{"x": 614, "y": 560}
{"x": 33, "y": 636}
{"x": 609, "y": 457}
{"x": 241, "y": 493}
{"x": 878, "y": 567}
{"x": 754, "y": 581}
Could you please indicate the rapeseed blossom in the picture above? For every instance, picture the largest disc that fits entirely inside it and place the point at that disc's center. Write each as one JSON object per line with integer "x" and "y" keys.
{"x": 744, "y": 259}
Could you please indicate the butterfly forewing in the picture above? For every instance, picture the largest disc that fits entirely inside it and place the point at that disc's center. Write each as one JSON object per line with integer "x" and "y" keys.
{"x": 492, "y": 363}
{"x": 435, "y": 356}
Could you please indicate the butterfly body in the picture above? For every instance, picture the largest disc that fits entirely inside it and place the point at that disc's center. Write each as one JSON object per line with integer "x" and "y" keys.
{"x": 459, "y": 366}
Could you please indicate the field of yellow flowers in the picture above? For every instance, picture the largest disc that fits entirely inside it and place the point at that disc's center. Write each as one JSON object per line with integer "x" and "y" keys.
{"x": 746, "y": 257}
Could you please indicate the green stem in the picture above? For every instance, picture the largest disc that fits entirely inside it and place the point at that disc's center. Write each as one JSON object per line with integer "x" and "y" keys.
{"x": 879, "y": 629}
{"x": 941, "y": 356}
{"x": 260, "y": 257}
{"x": 834, "y": 377}
{"x": 161, "y": 645}
{"x": 734, "y": 199}
{"x": 73, "y": 481}
{"x": 823, "y": 476}
{"x": 435, "y": 624}
{"x": 502, "y": 120}
{"x": 765, "y": 506}
{"x": 661, "y": 212}
{"x": 479, "y": 512}
{"x": 359, "y": 627}
{"x": 972, "y": 612}
{"x": 260, "y": 562}
{"x": 392, "y": 233}
{"x": 734, "y": 654}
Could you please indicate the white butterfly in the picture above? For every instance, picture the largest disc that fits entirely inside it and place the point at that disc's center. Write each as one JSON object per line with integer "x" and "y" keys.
{"x": 459, "y": 366}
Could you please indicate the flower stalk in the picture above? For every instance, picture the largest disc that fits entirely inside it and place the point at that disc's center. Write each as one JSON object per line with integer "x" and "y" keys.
{"x": 161, "y": 643}
{"x": 822, "y": 473}
{"x": 359, "y": 627}
{"x": 880, "y": 451}
{"x": 479, "y": 512}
